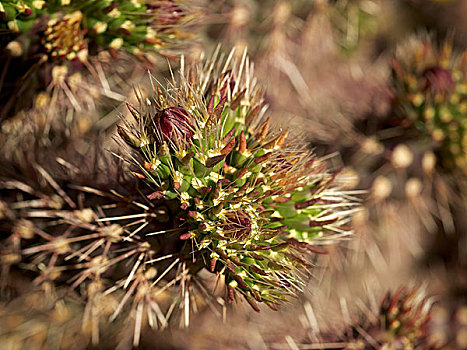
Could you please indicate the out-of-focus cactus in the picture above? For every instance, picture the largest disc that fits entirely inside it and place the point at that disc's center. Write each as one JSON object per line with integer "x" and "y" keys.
{"x": 71, "y": 30}
{"x": 353, "y": 20}
{"x": 430, "y": 86}
{"x": 402, "y": 321}
{"x": 40, "y": 319}
{"x": 46, "y": 42}
{"x": 259, "y": 25}
{"x": 99, "y": 244}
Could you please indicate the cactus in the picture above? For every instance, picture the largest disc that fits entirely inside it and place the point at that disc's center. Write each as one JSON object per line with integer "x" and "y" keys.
{"x": 46, "y": 42}
{"x": 353, "y": 21}
{"x": 430, "y": 96}
{"x": 214, "y": 189}
{"x": 98, "y": 244}
{"x": 254, "y": 205}
{"x": 405, "y": 314}
{"x": 402, "y": 323}
{"x": 70, "y": 30}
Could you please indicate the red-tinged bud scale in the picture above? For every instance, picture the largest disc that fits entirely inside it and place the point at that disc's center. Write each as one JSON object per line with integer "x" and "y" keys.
{"x": 174, "y": 124}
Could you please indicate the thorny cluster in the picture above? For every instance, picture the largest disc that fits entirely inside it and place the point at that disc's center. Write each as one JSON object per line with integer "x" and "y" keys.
{"x": 45, "y": 42}
{"x": 255, "y": 202}
{"x": 401, "y": 321}
{"x": 430, "y": 94}
{"x": 205, "y": 202}
{"x": 222, "y": 192}
{"x": 69, "y": 30}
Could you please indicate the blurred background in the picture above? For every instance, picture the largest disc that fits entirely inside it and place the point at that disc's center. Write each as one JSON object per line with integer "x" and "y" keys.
{"x": 357, "y": 82}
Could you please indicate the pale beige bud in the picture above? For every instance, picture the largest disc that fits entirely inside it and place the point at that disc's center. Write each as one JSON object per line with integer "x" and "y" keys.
{"x": 381, "y": 188}
{"x": 24, "y": 228}
{"x": 428, "y": 162}
{"x": 83, "y": 125}
{"x": 113, "y": 232}
{"x": 128, "y": 25}
{"x": 240, "y": 16}
{"x": 38, "y": 4}
{"x": 114, "y": 13}
{"x": 413, "y": 188}
{"x": 61, "y": 246}
{"x": 10, "y": 258}
{"x": 282, "y": 12}
{"x": 95, "y": 287}
{"x": 86, "y": 215}
{"x": 100, "y": 27}
{"x": 150, "y": 273}
{"x": 371, "y": 146}
{"x": 137, "y": 3}
{"x": 14, "y": 48}
{"x": 116, "y": 43}
{"x": 348, "y": 178}
{"x": 59, "y": 74}
{"x": 55, "y": 202}
{"x": 438, "y": 135}
{"x": 61, "y": 313}
{"x": 75, "y": 81}
{"x": 99, "y": 264}
{"x": 82, "y": 55}
{"x": 360, "y": 218}
{"x": 13, "y": 26}
{"x": 402, "y": 156}
{"x": 42, "y": 100}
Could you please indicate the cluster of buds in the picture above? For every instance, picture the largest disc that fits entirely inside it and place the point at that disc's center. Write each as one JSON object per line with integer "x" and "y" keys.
{"x": 64, "y": 39}
{"x": 430, "y": 86}
{"x": 44, "y": 39}
{"x": 402, "y": 323}
{"x": 253, "y": 205}
{"x": 405, "y": 315}
{"x": 135, "y": 26}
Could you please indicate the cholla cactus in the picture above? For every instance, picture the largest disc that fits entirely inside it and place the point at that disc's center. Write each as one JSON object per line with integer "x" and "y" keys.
{"x": 431, "y": 96}
{"x": 37, "y": 321}
{"x": 46, "y": 42}
{"x": 70, "y": 30}
{"x": 353, "y": 20}
{"x": 100, "y": 244}
{"x": 253, "y": 205}
{"x": 405, "y": 314}
{"x": 260, "y": 25}
{"x": 402, "y": 323}
{"x": 226, "y": 194}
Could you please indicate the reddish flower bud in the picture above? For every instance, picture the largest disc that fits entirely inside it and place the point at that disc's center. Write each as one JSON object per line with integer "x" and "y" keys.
{"x": 168, "y": 14}
{"x": 239, "y": 224}
{"x": 438, "y": 80}
{"x": 174, "y": 125}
